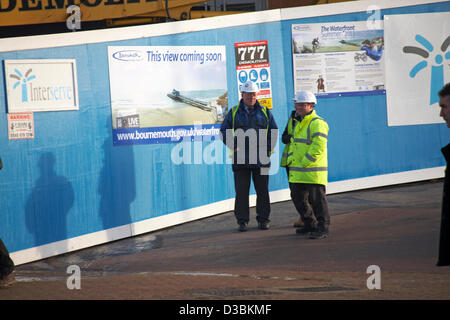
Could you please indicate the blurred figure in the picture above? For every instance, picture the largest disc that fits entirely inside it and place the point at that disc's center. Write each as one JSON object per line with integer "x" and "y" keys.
{"x": 6, "y": 264}
{"x": 444, "y": 240}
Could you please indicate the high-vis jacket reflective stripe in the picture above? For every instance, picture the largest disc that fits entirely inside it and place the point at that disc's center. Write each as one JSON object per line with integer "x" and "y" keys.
{"x": 306, "y": 154}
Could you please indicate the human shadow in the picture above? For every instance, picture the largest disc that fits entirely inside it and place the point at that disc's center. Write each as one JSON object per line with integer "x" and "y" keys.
{"x": 117, "y": 183}
{"x": 49, "y": 203}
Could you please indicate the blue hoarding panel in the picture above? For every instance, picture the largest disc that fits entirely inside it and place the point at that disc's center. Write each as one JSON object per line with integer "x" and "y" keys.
{"x": 72, "y": 180}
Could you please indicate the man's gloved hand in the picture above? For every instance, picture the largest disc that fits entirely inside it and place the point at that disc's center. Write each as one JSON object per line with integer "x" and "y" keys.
{"x": 286, "y": 138}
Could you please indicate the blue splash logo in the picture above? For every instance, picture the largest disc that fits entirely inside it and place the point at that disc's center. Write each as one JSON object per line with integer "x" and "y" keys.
{"x": 22, "y": 79}
{"x": 437, "y": 71}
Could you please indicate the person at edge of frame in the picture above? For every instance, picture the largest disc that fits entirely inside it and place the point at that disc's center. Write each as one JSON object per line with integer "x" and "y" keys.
{"x": 306, "y": 162}
{"x": 249, "y": 130}
{"x": 6, "y": 264}
{"x": 444, "y": 238}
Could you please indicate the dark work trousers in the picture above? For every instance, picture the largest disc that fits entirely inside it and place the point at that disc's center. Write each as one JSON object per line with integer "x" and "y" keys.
{"x": 6, "y": 264}
{"x": 242, "y": 181}
{"x": 315, "y": 194}
{"x": 311, "y": 203}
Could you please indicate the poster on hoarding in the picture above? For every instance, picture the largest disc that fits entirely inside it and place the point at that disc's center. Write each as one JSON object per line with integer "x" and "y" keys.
{"x": 252, "y": 63}
{"x": 338, "y": 59}
{"x": 20, "y": 126}
{"x": 417, "y": 66}
{"x": 164, "y": 94}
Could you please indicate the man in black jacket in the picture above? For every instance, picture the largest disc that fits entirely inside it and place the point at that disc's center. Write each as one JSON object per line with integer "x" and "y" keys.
{"x": 6, "y": 264}
{"x": 250, "y": 131}
{"x": 444, "y": 241}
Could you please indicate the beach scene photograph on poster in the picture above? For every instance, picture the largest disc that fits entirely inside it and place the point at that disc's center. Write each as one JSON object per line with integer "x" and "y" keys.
{"x": 162, "y": 94}
{"x": 338, "y": 59}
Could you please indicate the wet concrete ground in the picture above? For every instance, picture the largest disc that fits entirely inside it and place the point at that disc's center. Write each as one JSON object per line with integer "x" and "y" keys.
{"x": 395, "y": 228}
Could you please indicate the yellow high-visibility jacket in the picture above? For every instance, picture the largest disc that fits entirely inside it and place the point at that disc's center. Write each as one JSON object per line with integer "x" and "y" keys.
{"x": 306, "y": 154}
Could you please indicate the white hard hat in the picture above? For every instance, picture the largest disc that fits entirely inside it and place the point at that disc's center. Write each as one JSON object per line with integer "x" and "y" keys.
{"x": 305, "y": 96}
{"x": 249, "y": 86}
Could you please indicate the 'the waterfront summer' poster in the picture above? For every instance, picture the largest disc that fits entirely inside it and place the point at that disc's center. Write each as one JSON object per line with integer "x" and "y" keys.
{"x": 337, "y": 59}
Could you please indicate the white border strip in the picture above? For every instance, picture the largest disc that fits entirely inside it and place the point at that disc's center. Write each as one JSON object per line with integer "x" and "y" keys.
{"x": 161, "y": 29}
{"x": 153, "y": 224}
{"x": 386, "y": 180}
{"x": 136, "y": 32}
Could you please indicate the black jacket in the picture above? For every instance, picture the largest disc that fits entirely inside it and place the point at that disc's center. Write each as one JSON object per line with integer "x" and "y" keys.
{"x": 250, "y": 148}
{"x": 444, "y": 241}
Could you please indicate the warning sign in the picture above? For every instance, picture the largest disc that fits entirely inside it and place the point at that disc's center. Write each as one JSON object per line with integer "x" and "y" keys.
{"x": 20, "y": 126}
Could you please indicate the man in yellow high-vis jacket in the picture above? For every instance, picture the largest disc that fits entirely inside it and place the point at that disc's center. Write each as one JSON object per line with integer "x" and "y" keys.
{"x": 305, "y": 157}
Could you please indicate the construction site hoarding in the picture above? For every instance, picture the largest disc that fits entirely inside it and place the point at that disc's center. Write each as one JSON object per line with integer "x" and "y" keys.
{"x": 71, "y": 187}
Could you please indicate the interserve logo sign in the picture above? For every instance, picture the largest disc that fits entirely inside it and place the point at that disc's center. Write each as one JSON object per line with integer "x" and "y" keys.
{"x": 417, "y": 66}
{"x": 22, "y": 81}
{"x": 427, "y": 51}
{"x": 41, "y": 85}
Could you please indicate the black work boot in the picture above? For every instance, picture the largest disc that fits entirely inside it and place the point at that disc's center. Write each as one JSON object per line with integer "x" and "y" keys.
{"x": 309, "y": 226}
{"x": 242, "y": 227}
{"x": 320, "y": 232}
{"x": 299, "y": 223}
{"x": 263, "y": 225}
